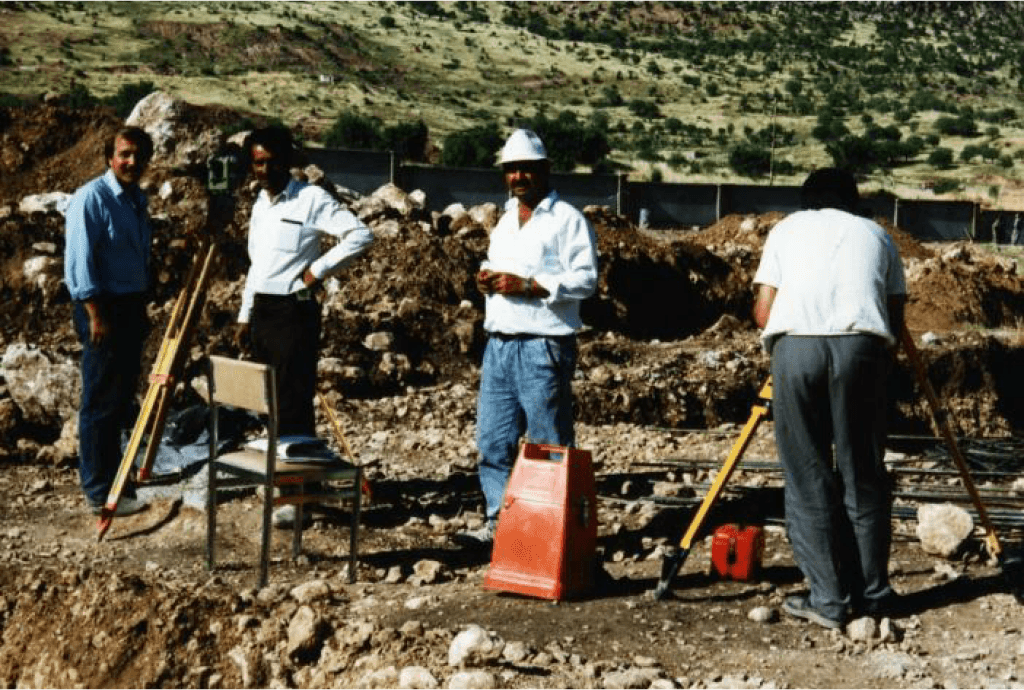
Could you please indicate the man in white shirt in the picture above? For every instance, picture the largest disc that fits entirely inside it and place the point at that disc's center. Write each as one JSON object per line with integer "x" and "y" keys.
{"x": 830, "y": 298}
{"x": 541, "y": 263}
{"x": 280, "y": 311}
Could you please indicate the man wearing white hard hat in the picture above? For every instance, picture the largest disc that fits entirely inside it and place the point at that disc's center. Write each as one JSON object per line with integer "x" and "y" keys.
{"x": 541, "y": 263}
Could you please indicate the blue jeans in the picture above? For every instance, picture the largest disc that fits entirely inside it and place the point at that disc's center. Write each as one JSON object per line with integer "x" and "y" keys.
{"x": 830, "y": 392}
{"x": 110, "y": 377}
{"x": 525, "y": 386}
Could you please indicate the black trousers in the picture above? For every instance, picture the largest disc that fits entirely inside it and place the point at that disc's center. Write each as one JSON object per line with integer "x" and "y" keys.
{"x": 285, "y": 333}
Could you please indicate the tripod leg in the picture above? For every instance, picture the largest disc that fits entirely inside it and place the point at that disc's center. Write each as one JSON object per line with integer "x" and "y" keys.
{"x": 675, "y": 558}
{"x": 946, "y": 431}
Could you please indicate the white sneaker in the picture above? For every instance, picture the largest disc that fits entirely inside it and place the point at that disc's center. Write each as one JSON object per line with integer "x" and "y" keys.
{"x": 125, "y": 506}
{"x": 481, "y": 537}
{"x": 284, "y": 517}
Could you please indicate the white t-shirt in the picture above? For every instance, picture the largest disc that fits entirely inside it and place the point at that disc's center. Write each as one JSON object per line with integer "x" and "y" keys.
{"x": 833, "y": 272}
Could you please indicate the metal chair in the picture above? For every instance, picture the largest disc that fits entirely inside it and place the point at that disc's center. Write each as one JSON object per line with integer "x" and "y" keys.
{"x": 251, "y": 386}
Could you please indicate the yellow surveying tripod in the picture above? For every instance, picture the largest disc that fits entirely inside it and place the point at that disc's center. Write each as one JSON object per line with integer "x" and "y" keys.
{"x": 166, "y": 371}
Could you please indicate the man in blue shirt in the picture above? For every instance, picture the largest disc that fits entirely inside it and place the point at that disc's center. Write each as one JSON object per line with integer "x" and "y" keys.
{"x": 106, "y": 269}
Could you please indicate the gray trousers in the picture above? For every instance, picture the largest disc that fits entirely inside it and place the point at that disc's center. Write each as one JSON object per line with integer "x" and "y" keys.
{"x": 832, "y": 391}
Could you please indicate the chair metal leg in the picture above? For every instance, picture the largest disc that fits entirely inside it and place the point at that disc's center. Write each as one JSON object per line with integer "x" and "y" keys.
{"x": 297, "y": 527}
{"x": 353, "y": 547}
{"x": 268, "y": 506}
{"x": 211, "y": 513}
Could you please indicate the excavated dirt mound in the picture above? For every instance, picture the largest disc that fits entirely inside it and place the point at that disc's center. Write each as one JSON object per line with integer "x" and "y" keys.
{"x": 669, "y": 366}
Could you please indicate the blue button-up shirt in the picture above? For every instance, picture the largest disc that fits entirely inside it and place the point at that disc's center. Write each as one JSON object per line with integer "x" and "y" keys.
{"x": 107, "y": 240}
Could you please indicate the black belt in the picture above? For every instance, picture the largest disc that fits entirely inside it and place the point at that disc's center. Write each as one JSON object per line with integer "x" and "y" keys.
{"x": 303, "y": 295}
{"x": 506, "y": 337}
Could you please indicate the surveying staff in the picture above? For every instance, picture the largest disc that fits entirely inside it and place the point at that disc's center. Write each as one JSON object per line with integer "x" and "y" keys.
{"x": 830, "y": 297}
{"x": 280, "y": 311}
{"x": 541, "y": 263}
{"x": 106, "y": 269}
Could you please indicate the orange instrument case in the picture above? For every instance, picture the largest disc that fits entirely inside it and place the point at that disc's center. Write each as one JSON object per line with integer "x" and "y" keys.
{"x": 736, "y": 551}
{"x": 545, "y": 544}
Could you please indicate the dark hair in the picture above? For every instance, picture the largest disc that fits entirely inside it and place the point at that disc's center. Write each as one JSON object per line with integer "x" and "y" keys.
{"x": 276, "y": 139}
{"x": 830, "y": 188}
{"x": 135, "y": 135}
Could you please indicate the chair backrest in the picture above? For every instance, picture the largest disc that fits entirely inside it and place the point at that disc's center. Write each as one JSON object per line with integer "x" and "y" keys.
{"x": 247, "y": 385}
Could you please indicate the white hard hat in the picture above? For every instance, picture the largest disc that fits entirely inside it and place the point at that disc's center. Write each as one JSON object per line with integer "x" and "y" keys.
{"x": 523, "y": 145}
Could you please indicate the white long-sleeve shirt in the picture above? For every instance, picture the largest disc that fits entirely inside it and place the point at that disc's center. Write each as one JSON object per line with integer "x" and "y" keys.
{"x": 284, "y": 239}
{"x": 557, "y": 248}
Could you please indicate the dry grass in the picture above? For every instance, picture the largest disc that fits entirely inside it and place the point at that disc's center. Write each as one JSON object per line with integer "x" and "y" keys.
{"x": 455, "y": 74}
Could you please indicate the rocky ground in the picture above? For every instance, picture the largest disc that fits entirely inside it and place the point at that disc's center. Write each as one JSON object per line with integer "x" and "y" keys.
{"x": 669, "y": 368}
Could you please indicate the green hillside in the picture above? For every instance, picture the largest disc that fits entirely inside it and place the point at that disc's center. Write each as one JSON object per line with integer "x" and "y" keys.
{"x": 923, "y": 98}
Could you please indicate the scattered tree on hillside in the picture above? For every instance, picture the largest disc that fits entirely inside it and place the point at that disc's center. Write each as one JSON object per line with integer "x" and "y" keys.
{"x": 644, "y": 109}
{"x": 475, "y": 147}
{"x": 408, "y": 140}
{"x": 962, "y": 126}
{"x": 941, "y": 158}
{"x": 128, "y": 95}
{"x": 569, "y": 141}
{"x": 750, "y": 160}
{"x": 354, "y": 131}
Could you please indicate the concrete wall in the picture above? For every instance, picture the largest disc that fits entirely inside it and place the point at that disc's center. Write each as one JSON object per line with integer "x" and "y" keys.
{"x": 1002, "y": 227}
{"x": 935, "y": 221}
{"x": 666, "y": 205}
{"x": 360, "y": 171}
{"x": 663, "y": 205}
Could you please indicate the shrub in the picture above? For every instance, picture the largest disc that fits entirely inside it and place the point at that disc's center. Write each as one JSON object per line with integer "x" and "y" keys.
{"x": 472, "y": 148}
{"x": 128, "y": 95}
{"x": 750, "y": 160}
{"x": 569, "y": 141}
{"x": 79, "y": 96}
{"x": 830, "y": 127}
{"x": 941, "y": 158}
{"x": 431, "y": 8}
{"x": 943, "y": 186}
{"x": 354, "y": 131}
{"x": 408, "y": 140}
{"x": 644, "y": 109}
{"x": 963, "y": 126}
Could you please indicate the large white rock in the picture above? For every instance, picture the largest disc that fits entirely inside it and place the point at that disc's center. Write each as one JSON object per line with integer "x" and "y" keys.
{"x": 46, "y": 273}
{"x": 157, "y": 113}
{"x": 303, "y": 632}
{"x": 416, "y": 677}
{"x": 473, "y": 680}
{"x": 485, "y": 214}
{"x": 474, "y": 645}
{"x": 943, "y": 528}
{"x": 161, "y": 115}
{"x": 395, "y": 198}
{"x": 49, "y": 202}
{"x": 308, "y": 592}
{"x": 45, "y": 391}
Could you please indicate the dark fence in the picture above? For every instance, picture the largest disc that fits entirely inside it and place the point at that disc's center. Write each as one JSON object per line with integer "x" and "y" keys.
{"x": 934, "y": 221}
{"x": 661, "y": 204}
{"x": 360, "y": 171}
